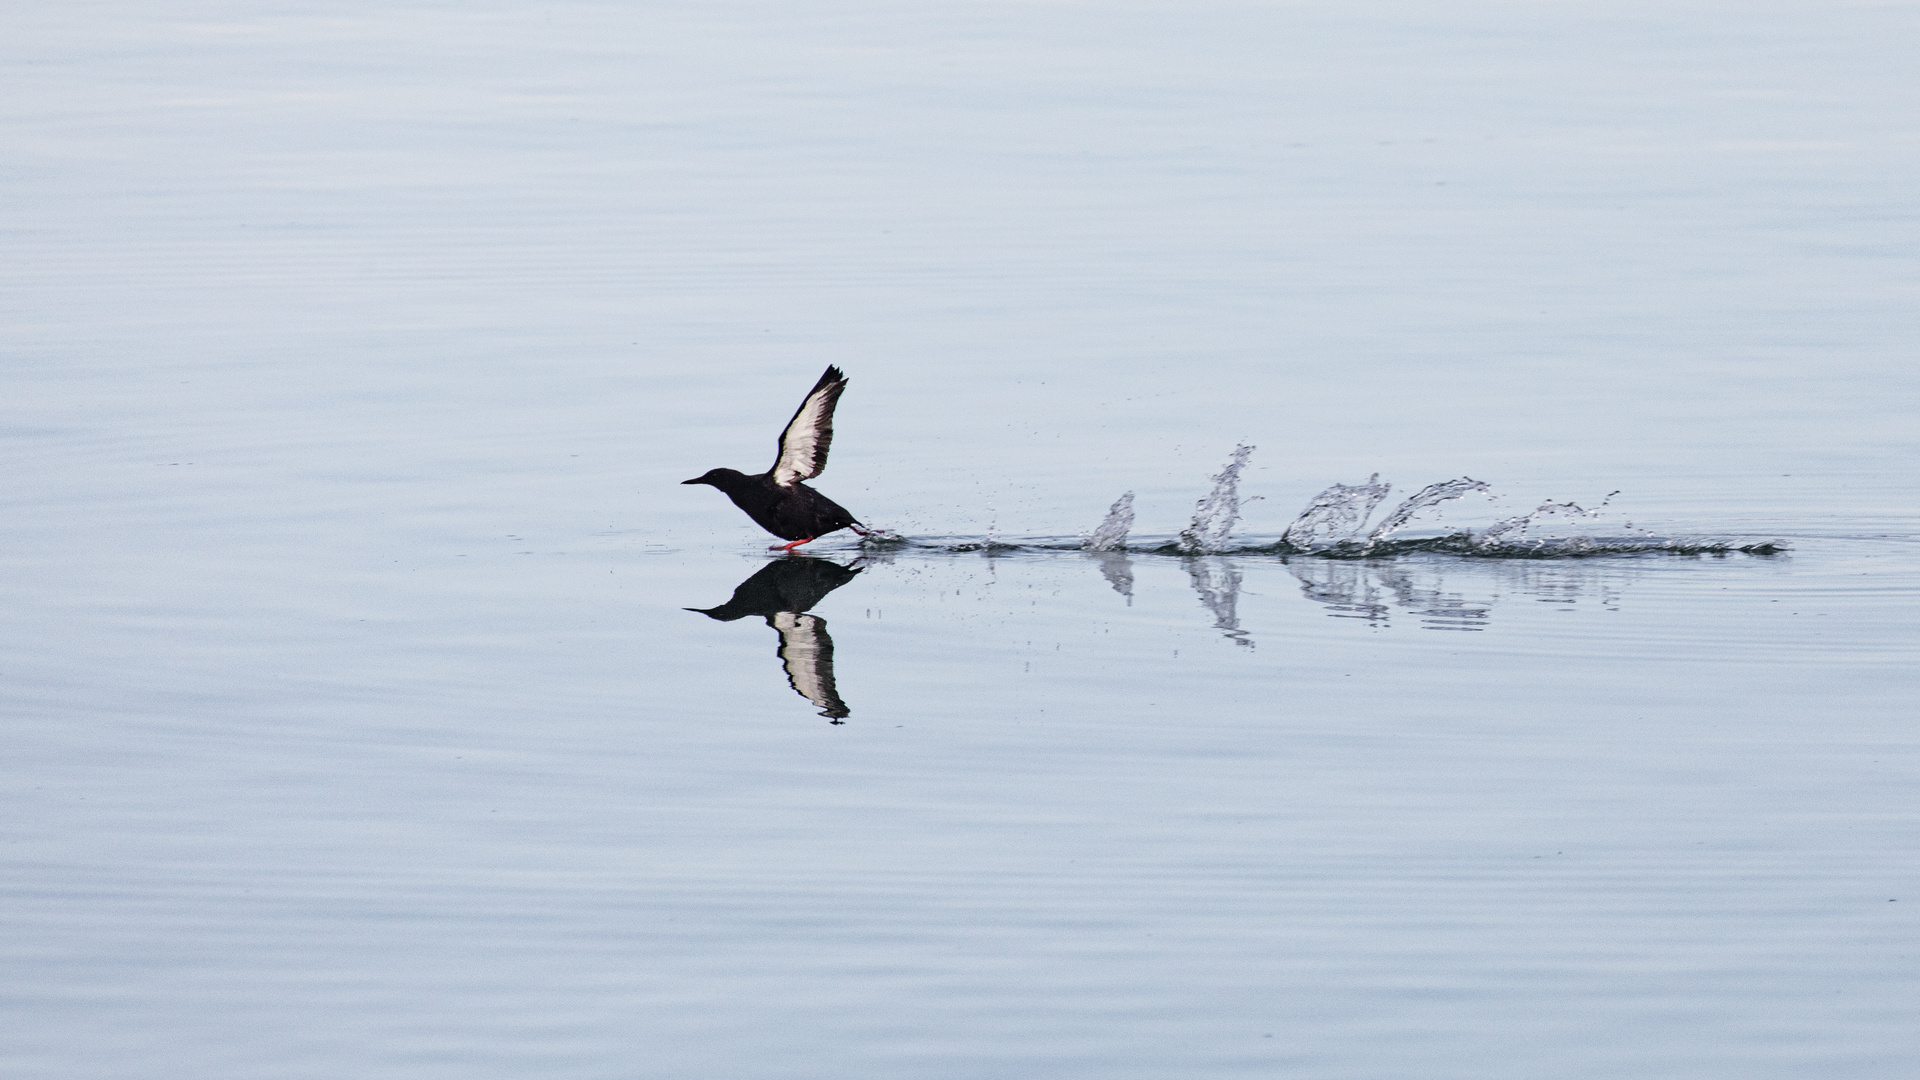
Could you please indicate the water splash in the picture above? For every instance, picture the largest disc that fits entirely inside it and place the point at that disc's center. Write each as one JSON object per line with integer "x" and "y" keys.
{"x": 1112, "y": 532}
{"x": 1578, "y": 547}
{"x": 1333, "y": 526}
{"x": 1512, "y": 532}
{"x": 1462, "y": 543}
{"x": 1334, "y": 515}
{"x": 1431, "y": 495}
{"x": 1215, "y": 515}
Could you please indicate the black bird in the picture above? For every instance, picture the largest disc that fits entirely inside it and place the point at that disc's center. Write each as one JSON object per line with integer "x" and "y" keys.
{"x": 781, "y": 592}
{"x": 776, "y": 499}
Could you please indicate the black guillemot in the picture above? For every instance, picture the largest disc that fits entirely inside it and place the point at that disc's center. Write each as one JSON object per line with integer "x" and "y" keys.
{"x": 776, "y": 499}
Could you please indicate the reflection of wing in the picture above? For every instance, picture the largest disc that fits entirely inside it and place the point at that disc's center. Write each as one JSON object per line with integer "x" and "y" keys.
{"x": 808, "y": 653}
{"x": 803, "y": 446}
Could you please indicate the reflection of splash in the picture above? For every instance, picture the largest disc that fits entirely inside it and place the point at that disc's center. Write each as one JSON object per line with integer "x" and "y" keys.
{"x": 1118, "y": 570}
{"x": 1347, "y": 589}
{"x": 1214, "y": 516}
{"x": 1218, "y": 583}
{"x": 1438, "y": 608}
{"x": 1431, "y": 590}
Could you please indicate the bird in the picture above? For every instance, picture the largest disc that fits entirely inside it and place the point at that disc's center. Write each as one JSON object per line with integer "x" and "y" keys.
{"x": 776, "y": 500}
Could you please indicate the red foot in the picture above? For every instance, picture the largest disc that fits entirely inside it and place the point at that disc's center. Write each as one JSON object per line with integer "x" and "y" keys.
{"x": 788, "y": 548}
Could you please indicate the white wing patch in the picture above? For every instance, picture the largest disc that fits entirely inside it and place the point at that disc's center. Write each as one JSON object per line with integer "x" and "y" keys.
{"x": 807, "y": 652}
{"x": 803, "y": 446}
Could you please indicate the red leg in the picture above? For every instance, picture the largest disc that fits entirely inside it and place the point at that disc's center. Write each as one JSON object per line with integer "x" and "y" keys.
{"x": 788, "y": 548}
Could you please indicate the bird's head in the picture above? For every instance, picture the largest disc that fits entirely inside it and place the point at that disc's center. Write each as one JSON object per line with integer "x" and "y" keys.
{"x": 720, "y": 478}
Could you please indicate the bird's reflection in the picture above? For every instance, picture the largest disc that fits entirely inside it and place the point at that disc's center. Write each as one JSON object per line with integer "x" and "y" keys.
{"x": 781, "y": 592}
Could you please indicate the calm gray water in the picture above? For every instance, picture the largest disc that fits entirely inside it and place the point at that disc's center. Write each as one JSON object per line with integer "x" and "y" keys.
{"x": 357, "y": 727}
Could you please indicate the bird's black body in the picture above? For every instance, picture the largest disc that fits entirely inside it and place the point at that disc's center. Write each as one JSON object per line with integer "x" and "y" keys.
{"x": 776, "y": 499}
{"x": 794, "y": 512}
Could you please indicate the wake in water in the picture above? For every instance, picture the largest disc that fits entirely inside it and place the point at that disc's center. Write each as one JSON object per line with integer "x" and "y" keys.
{"x": 1336, "y": 525}
{"x": 1341, "y": 555}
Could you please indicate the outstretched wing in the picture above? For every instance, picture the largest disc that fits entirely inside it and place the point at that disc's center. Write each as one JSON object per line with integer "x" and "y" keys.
{"x": 807, "y": 652}
{"x": 803, "y": 446}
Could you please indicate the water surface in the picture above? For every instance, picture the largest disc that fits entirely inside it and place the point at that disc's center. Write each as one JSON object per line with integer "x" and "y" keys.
{"x": 358, "y": 725}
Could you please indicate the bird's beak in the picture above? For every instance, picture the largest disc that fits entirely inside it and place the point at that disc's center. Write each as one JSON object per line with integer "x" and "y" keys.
{"x": 695, "y": 480}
